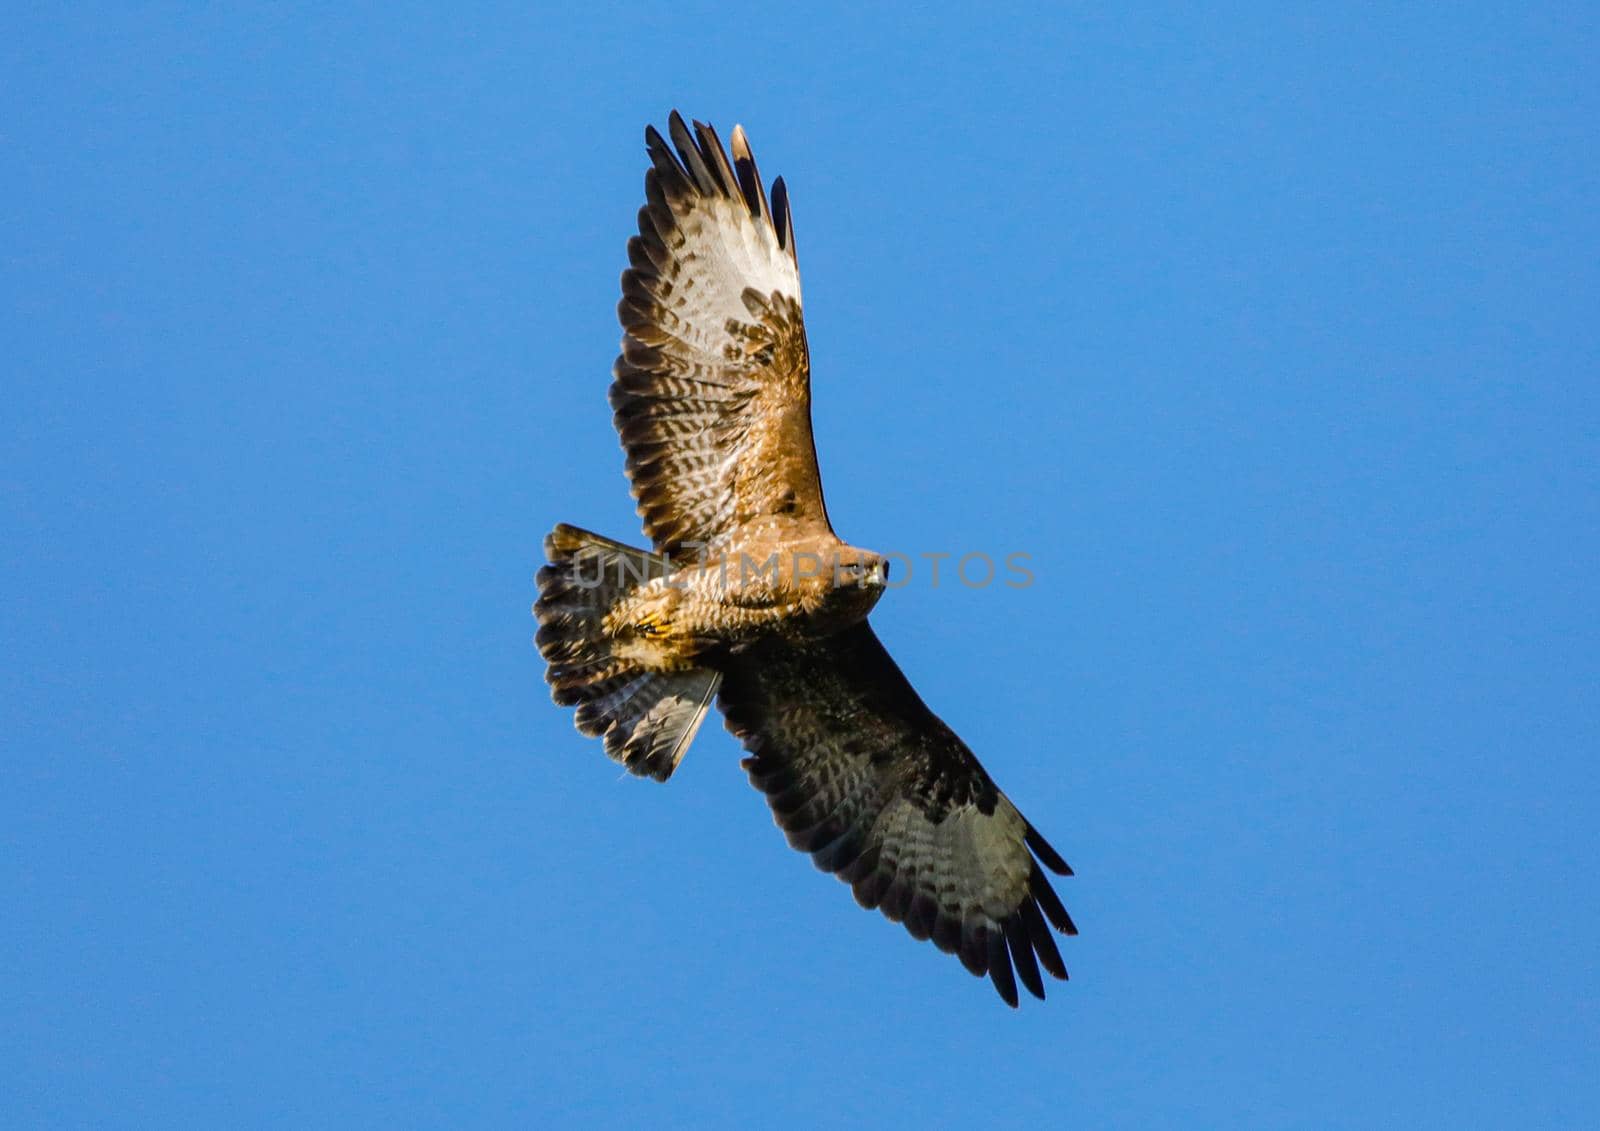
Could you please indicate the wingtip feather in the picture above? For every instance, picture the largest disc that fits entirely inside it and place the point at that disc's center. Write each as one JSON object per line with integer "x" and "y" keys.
{"x": 1005, "y": 983}
{"x": 1022, "y": 956}
{"x": 1048, "y": 856}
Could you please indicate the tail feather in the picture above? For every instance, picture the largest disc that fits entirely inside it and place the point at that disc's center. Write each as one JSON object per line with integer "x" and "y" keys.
{"x": 646, "y": 717}
{"x": 650, "y": 721}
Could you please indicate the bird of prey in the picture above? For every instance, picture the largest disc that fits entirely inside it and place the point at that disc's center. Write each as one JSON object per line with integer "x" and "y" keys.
{"x": 748, "y": 596}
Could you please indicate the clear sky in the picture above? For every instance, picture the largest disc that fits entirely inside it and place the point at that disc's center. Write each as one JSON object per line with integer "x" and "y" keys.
{"x": 1272, "y": 337}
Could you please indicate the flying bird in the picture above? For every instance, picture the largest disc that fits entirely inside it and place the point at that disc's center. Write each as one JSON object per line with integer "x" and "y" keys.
{"x": 748, "y": 597}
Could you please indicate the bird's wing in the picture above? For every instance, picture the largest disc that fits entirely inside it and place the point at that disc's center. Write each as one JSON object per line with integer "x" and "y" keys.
{"x": 712, "y": 392}
{"x": 865, "y": 778}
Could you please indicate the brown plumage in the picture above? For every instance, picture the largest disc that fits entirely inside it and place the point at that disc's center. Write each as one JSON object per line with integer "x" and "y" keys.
{"x": 712, "y": 395}
{"x": 712, "y": 400}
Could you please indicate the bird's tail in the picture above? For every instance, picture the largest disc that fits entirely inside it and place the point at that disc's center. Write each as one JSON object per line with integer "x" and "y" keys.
{"x": 643, "y": 704}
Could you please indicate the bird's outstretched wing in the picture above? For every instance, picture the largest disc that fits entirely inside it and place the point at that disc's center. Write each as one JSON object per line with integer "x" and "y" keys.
{"x": 865, "y": 778}
{"x": 712, "y": 392}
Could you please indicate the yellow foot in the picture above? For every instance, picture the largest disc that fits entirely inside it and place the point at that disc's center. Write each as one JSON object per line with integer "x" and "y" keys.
{"x": 653, "y": 626}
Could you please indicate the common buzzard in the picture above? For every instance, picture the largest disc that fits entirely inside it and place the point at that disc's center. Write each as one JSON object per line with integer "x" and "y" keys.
{"x": 750, "y": 597}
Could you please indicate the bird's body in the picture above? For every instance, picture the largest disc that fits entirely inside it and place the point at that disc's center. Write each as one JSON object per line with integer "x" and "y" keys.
{"x": 679, "y": 612}
{"x": 749, "y": 596}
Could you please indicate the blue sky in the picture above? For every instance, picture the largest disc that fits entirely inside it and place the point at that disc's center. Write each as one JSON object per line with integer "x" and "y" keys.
{"x": 1269, "y": 335}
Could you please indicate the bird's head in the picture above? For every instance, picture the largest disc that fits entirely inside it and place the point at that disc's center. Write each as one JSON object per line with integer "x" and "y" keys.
{"x": 861, "y": 569}
{"x": 858, "y": 578}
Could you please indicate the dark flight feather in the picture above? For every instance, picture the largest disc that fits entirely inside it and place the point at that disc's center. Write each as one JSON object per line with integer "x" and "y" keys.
{"x": 838, "y": 740}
